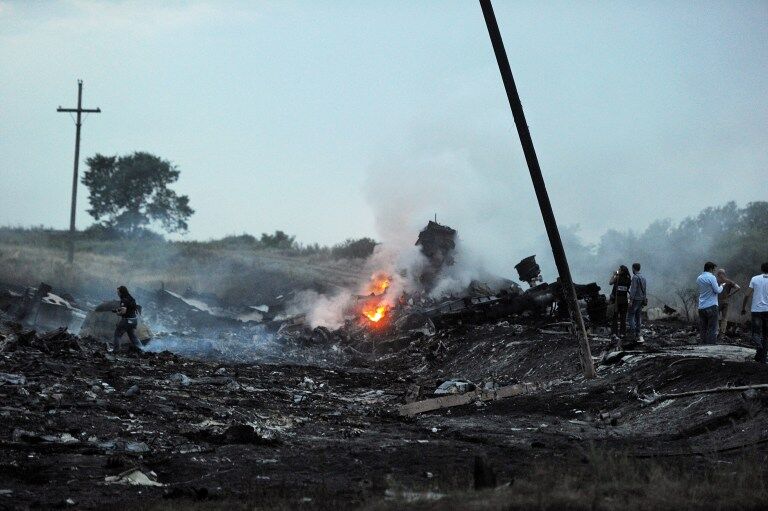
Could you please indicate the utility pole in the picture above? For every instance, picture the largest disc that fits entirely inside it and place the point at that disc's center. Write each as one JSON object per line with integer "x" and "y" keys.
{"x": 566, "y": 282}
{"x": 79, "y": 110}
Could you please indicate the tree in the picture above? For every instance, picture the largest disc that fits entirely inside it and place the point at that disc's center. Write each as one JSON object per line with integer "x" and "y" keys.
{"x": 128, "y": 193}
{"x": 278, "y": 240}
{"x": 354, "y": 249}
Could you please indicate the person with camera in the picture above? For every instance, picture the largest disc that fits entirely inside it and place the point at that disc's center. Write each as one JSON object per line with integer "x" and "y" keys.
{"x": 128, "y": 312}
{"x": 620, "y": 280}
{"x": 638, "y": 298}
{"x": 709, "y": 290}
{"x": 724, "y": 298}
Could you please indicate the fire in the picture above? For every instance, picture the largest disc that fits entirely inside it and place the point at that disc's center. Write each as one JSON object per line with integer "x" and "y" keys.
{"x": 375, "y": 307}
{"x": 376, "y": 313}
{"x": 379, "y": 284}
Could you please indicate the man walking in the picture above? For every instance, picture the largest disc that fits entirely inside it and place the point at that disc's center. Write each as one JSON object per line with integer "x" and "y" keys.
{"x": 758, "y": 290}
{"x": 638, "y": 298}
{"x": 708, "y": 311}
{"x": 723, "y": 299}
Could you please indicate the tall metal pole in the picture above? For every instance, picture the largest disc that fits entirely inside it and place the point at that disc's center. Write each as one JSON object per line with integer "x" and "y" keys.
{"x": 78, "y": 123}
{"x": 550, "y": 223}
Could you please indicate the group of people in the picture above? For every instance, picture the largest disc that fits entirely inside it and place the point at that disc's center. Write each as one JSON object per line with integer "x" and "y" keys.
{"x": 715, "y": 290}
{"x": 630, "y": 295}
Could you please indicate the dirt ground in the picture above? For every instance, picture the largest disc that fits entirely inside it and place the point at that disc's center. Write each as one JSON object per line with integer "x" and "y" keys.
{"x": 78, "y": 424}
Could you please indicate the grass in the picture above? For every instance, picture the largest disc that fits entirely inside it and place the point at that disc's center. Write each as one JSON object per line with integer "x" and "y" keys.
{"x": 236, "y": 273}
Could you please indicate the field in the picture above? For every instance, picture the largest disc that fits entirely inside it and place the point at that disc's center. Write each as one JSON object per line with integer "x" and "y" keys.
{"x": 319, "y": 426}
{"x": 235, "y": 272}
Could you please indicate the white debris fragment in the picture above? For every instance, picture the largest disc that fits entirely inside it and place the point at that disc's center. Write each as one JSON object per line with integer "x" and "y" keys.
{"x": 133, "y": 477}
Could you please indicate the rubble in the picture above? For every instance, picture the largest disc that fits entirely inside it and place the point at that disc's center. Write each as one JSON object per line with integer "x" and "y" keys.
{"x": 133, "y": 477}
{"x": 454, "y": 387}
{"x": 467, "y": 397}
{"x": 426, "y": 397}
{"x": 39, "y": 308}
{"x": 250, "y": 430}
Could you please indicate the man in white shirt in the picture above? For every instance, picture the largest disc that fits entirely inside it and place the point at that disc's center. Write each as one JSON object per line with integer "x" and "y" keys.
{"x": 758, "y": 291}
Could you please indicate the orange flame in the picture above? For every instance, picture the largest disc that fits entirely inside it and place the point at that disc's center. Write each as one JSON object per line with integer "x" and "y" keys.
{"x": 379, "y": 284}
{"x": 376, "y": 313}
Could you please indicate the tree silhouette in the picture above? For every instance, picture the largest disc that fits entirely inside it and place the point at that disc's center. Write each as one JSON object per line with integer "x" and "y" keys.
{"x": 129, "y": 193}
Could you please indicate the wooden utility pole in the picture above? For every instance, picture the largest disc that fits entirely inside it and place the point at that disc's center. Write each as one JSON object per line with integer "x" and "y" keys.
{"x": 566, "y": 282}
{"x": 78, "y": 122}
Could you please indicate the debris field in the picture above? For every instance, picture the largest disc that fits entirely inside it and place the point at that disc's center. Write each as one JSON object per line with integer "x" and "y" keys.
{"x": 85, "y": 428}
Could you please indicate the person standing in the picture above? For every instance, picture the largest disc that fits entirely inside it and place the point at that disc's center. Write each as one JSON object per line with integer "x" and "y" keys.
{"x": 638, "y": 298}
{"x": 723, "y": 299}
{"x": 621, "y": 280}
{"x": 709, "y": 290}
{"x": 128, "y": 322}
{"x": 758, "y": 291}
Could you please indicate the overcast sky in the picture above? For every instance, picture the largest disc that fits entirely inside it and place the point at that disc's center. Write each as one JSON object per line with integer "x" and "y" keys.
{"x": 333, "y": 119}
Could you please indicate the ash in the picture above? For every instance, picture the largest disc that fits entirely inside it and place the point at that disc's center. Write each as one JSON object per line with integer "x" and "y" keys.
{"x": 85, "y": 428}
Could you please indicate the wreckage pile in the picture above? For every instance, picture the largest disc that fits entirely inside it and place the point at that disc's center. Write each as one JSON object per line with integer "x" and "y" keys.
{"x": 382, "y": 319}
{"x": 415, "y": 398}
{"x": 83, "y": 427}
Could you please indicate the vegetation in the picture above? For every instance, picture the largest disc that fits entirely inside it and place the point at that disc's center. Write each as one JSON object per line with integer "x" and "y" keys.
{"x": 239, "y": 268}
{"x": 128, "y": 193}
{"x": 354, "y": 249}
{"x": 673, "y": 254}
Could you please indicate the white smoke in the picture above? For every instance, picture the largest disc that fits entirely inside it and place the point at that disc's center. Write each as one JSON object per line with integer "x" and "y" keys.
{"x": 320, "y": 309}
{"x": 466, "y": 178}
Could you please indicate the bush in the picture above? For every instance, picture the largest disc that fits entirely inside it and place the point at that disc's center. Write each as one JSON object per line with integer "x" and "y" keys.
{"x": 100, "y": 232}
{"x": 354, "y": 249}
{"x": 278, "y": 240}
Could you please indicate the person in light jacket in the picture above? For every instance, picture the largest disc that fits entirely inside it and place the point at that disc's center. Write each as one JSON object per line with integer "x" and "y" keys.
{"x": 709, "y": 289}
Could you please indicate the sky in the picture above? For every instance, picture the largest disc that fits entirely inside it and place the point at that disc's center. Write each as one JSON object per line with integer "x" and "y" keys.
{"x": 340, "y": 119}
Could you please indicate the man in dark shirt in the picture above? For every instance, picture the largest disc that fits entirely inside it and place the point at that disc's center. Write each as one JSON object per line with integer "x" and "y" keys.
{"x": 638, "y": 296}
{"x": 621, "y": 281}
{"x": 128, "y": 319}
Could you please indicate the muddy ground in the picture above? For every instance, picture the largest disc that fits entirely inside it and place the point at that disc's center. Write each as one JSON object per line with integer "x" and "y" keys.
{"x": 77, "y": 424}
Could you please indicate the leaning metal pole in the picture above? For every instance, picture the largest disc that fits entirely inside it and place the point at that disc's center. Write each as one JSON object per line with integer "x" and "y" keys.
{"x": 541, "y": 190}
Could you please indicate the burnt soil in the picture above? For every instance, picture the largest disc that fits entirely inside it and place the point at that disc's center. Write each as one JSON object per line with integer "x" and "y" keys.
{"x": 257, "y": 435}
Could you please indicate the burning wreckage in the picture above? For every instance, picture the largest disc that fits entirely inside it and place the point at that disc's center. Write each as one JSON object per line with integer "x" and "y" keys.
{"x": 84, "y": 428}
{"x": 395, "y": 307}
{"x": 391, "y": 309}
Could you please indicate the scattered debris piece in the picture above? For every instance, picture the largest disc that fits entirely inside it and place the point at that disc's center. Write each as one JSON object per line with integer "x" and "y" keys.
{"x": 133, "y": 477}
{"x": 437, "y": 403}
{"x": 454, "y": 387}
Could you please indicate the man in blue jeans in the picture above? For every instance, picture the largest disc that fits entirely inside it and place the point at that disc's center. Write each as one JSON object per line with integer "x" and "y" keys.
{"x": 708, "y": 310}
{"x": 638, "y": 298}
{"x": 758, "y": 292}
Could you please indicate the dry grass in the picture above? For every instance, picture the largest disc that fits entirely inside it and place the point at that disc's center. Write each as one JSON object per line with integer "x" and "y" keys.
{"x": 235, "y": 274}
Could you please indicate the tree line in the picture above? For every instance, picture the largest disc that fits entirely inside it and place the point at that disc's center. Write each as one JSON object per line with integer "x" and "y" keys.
{"x": 672, "y": 254}
{"x": 130, "y": 197}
